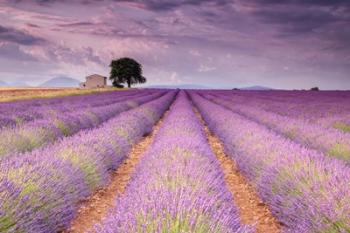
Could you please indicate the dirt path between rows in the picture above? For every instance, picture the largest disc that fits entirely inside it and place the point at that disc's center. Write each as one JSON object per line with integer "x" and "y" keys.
{"x": 251, "y": 209}
{"x": 93, "y": 210}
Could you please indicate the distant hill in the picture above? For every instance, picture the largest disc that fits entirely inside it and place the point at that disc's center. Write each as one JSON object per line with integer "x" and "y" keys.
{"x": 181, "y": 86}
{"x": 61, "y": 82}
{"x": 197, "y": 86}
{"x": 257, "y": 88}
{"x": 3, "y": 84}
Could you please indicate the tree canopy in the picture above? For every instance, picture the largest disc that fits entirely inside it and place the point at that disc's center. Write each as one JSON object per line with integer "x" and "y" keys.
{"x": 126, "y": 70}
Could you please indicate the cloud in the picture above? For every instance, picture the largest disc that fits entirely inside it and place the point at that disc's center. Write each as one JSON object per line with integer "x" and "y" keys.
{"x": 79, "y": 56}
{"x": 40, "y": 2}
{"x": 14, "y": 52}
{"x": 174, "y": 78}
{"x": 243, "y": 40}
{"x": 301, "y": 16}
{"x": 319, "y": 24}
{"x": 154, "y": 5}
{"x": 76, "y": 24}
{"x": 32, "y": 25}
{"x": 305, "y": 2}
{"x": 19, "y": 37}
{"x": 295, "y": 22}
{"x": 205, "y": 68}
{"x": 167, "y": 5}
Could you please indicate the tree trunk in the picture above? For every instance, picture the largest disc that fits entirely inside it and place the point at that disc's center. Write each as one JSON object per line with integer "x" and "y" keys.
{"x": 129, "y": 84}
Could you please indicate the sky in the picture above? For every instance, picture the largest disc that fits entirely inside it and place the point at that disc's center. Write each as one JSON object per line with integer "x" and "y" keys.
{"x": 290, "y": 44}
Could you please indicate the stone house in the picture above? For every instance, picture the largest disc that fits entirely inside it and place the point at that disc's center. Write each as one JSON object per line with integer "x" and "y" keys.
{"x": 94, "y": 81}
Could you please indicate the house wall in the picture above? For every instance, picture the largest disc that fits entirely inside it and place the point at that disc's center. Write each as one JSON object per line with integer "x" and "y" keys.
{"x": 95, "y": 81}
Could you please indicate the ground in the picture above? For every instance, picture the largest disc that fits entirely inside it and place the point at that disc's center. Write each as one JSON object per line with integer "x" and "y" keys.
{"x": 12, "y": 94}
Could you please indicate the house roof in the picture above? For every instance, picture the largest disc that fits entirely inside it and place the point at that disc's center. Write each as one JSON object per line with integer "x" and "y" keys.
{"x": 95, "y": 75}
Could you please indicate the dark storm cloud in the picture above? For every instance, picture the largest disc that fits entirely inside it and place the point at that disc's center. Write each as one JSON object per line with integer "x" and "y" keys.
{"x": 324, "y": 20}
{"x": 306, "y": 2}
{"x": 19, "y": 37}
{"x": 159, "y": 5}
{"x": 32, "y": 25}
{"x": 77, "y": 24}
{"x": 296, "y": 21}
{"x": 155, "y": 5}
{"x": 40, "y": 2}
{"x": 316, "y": 12}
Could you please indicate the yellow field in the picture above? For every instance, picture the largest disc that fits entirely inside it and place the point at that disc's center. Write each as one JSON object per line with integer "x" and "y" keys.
{"x": 12, "y": 94}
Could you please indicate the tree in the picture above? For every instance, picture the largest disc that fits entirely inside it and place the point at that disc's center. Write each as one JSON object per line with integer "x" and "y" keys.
{"x": 314, "y": 89}
{"x": 116, "y": 84}
{"x": 126, "y": 70}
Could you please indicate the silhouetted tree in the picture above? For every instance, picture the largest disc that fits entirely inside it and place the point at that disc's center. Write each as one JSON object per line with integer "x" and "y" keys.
{"x": 314, "y": 89}
{"x": 126, "y": 70}
{"x": 116, "y": 84}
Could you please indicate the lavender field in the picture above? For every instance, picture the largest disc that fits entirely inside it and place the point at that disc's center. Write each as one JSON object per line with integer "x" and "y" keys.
{"x": 147, "y": 160}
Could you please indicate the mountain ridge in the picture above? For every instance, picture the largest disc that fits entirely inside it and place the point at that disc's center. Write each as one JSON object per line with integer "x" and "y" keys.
{"x": 181, "y": 86}
{"x": 257, "y": 88}
{"x": 3, "y": 84}
{"x": 60, "y": 82}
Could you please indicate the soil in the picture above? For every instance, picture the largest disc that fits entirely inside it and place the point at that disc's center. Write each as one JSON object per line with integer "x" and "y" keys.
{"x": 14, "y": 94}
{"x": 251, "y": 209}
{"x": 93, "y": 210}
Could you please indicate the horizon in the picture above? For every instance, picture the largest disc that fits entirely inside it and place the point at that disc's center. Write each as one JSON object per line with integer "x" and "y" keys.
{"x": 18, "y": 84}
{"x": 183, "y": 86}
{"x": 220, "y": 44}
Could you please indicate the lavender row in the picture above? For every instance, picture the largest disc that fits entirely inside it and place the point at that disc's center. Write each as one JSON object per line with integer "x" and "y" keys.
{"x": 40, "y": 191}
{"x": 26, "y": 109}
{"x": 12, "y": 114}
{"x": 42, "y": 132}
{"x": 326, "y": 109}
{"x": 20, "y": 104}
{"x": 305, "y": 190}
{"x": 328, "y": 141}
{"x": 178, "y": 185}
{"x": 295, "y": 104}
{"x": 69, "y": 109}
{"x": 341, "y": 123}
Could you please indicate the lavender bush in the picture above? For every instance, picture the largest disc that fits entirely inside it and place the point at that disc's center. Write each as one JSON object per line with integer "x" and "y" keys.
{"x": 38, "y": 133}
{"x": 19, "y": 112}
{"x": 40, "y": 190}
{"x": 305, "y": 190}
{"x": 178, "y": 185}
{"x": 304, "y": 105}
{"x": 327, "y": 109}
{"x": 328, "y": 141}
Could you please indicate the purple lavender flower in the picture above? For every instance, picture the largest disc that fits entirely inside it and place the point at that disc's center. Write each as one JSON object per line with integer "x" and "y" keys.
{"x": 329, "y": 141}
{"x": 178, "y": 185}
{"x": 40, "y": 190}
{"x": 41, "y": 132}
{"x": 305, "y": 190}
